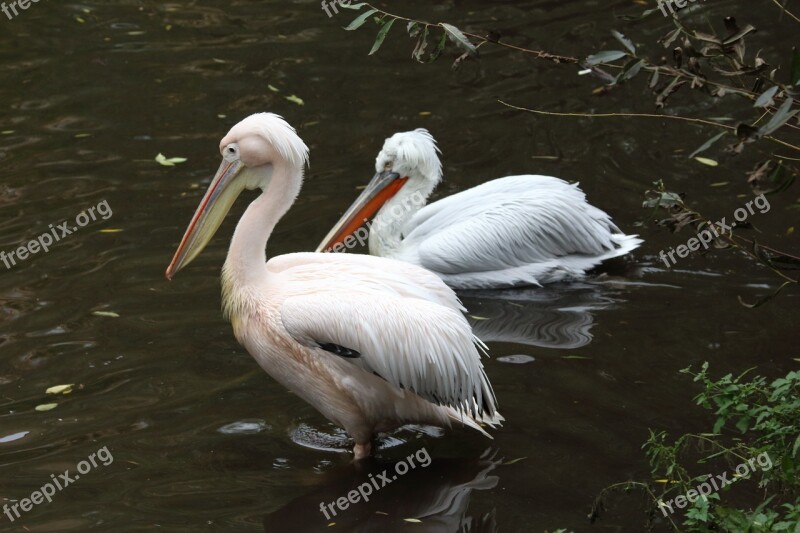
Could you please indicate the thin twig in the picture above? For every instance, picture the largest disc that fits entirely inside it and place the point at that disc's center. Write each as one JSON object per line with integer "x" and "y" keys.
{"x": 642, "y": 115}
{"x": 783, "y": 8}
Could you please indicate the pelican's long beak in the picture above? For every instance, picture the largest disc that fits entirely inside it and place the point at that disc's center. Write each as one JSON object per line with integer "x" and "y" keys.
{"x": 219, "y": 198}
{"x": 379, "y": 191}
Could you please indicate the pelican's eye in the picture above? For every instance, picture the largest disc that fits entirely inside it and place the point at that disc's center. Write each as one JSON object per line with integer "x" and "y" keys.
{"x": 388, "y": 166}
{"x": 231, "y": 152}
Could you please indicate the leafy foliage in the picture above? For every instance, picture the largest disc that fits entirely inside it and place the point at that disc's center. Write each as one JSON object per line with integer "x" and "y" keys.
{"x": 680, "y": 216}
{"x": 766, "y": 415}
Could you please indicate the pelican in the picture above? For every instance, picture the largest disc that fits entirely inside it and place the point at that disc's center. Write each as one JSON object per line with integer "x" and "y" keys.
{"x": 371, "y": 343}
{"x": 509, "y": 232}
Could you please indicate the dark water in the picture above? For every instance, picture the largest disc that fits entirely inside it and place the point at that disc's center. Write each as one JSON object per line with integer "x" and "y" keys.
{"x": 201, "y": 439}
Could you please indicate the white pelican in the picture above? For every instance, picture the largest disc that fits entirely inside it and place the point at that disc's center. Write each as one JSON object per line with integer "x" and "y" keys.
{"x": 371, "y": 343}
{"x": 510, "y": 232}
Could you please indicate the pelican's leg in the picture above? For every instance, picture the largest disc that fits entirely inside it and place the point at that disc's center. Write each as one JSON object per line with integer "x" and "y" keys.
{"x": 362, "y": 451}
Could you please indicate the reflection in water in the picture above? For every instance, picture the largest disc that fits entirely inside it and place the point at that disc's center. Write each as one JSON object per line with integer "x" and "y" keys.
{"x": 437, "y": 495}
{"x": 558, "y": 316}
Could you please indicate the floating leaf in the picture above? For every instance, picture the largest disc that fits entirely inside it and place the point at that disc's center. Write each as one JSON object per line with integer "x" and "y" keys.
{"x": 458, "y": 37}
{"x": 107, "y": 314}
{"x": 765, "y": 299}
{"x": 295, "y": 99}
{"x": 604, "y": 57}
{"x": 706, "y": 161}
{"x": 381, "y": 36}
{"x": 708, "y": 144}
{"x": 512, "y": 461}
{"x": 360, "y": 20}
{"x": 60, "y": 389}
{"x": 516, "y": 359}
{"x": 111, "y": 230}
{"x": 13, "y": 437}
{"x": 412, "y": 520}
{"x": 169, "y": 162}
{"x": 46, "y": 407}
{"x": 272, "y": 88}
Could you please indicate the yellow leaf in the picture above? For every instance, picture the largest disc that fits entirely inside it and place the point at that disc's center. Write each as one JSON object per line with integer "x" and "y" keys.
{"x": 107, "y": 314}
{"x": 296, "y": 100}
{"x": 412, "y": 520}
{"x": 60, "y": 389}
{"x": 46, "y": 407}
{"x": 706, "y": 161}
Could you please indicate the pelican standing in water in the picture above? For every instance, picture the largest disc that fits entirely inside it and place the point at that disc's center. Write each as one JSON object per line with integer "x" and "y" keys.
{"x": 509, "y": 232}
{"x": 371, "y": 343}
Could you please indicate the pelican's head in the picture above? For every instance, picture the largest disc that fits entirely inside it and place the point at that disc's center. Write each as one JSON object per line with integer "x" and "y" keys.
{"x": 250, "y": 151}
{"x": 409, "y": 161}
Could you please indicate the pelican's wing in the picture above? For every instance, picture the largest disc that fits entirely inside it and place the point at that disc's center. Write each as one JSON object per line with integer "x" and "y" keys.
{"x": 368, "y": 272}
{"x": 412, "y": 343}
{"x": 509, "y": 223}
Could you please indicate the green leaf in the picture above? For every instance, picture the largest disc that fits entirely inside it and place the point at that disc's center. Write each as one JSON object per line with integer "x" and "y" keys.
{"x": 783, "y": 115}
{"x": 458, "y": 37}
{"x": 607, "y": 56}
{"x": 765, "y": 99}
{"x": 381, "y": 36}
{"x": 631, "y": 69}
{"x": 353, "y": 6}
{"x": 627, "y": 43}
{"x": 795, "y": 73}
{"x": 360, "y": 20}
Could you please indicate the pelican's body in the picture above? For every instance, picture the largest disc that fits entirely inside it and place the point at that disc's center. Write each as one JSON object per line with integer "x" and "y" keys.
{"x": 509, "y": 232}
{"x": 371, "y": 343}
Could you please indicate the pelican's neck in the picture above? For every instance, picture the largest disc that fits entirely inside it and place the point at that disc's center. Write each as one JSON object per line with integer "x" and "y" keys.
{"x": 386, "y": 232}
{"x": 246, "y": 263}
